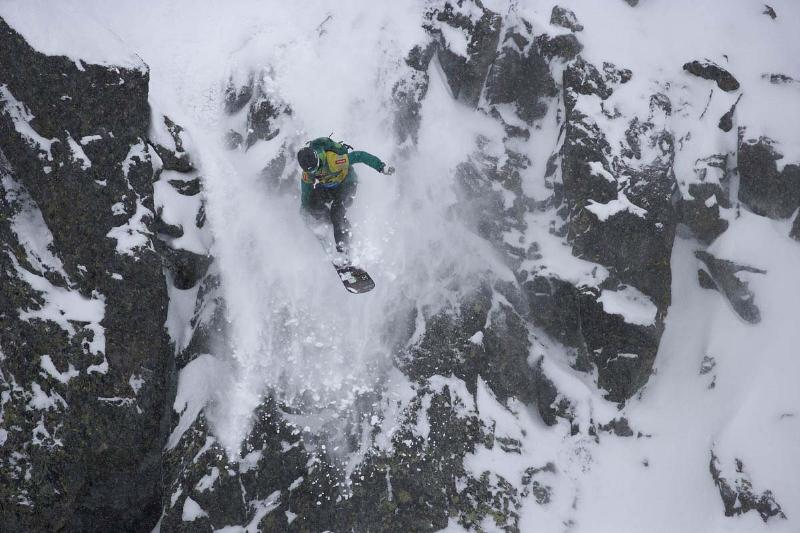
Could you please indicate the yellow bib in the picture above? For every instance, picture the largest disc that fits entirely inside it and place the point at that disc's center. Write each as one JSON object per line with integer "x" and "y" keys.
{"x": 334, "y": 171}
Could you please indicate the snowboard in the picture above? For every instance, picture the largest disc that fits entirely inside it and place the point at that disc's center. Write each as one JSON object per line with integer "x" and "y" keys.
{"x": 356, "y": 280}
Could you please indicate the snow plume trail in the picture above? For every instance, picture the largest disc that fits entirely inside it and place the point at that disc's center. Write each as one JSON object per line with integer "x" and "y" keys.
{"x": 293, "y": 331}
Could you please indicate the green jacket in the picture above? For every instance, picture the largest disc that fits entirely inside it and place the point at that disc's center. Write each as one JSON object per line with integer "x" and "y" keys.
{"x": 335, "y": 165}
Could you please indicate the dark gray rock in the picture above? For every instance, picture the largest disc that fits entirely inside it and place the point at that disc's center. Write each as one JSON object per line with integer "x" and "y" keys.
{"x": 779, "y": 79}
{"x": 634, "y": 246}
{"x": 409, "y": 92}
{"x": 261, "y": 121}
{"x": 238, "y": 97}
{"x": 617, "y": 75}
{"x": 704, "y": 219}
{"x": 735, "y": 290}
{"x": 769, "y": 12}
{"x": 705, "y": 280}
{"x": 584, "y": 78}
{"x": 561, "y": 47}
{"x": 618, "y": 426}
{"x": 565, "y": 18}
{"x": 623, "y": 353}
{"x": 726, "y": 121}
{"x": 711, "y": 71}
{"x": 522, "y": 80}
{"x": 408, "y": 95}
{"x": 501, "y": 359}
{"x": 102, "y": 469}
{"x": 178, "y": 159}
{"x": 187, "y": 268}
{"x": 795, "y": 231}
{"x": 166, "y": 230}
{"x": 738, "y": 496}
{"x": 762, "y": 188}
{"x": 190, "y": 187}
{"x": 638, "y": 240}
{"x": 707, "y": 364}
{"x": 466, "y": 75}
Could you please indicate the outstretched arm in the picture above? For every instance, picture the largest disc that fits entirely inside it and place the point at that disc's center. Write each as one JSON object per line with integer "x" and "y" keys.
{"x": 368, "y": 159}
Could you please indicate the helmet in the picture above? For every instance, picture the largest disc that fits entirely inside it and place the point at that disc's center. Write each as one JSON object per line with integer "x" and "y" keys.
{"x": 308, "y": 159}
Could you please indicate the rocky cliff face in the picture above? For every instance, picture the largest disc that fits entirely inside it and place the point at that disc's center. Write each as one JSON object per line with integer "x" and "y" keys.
{"x": 86, "y": 359}
{"x": 606, "y": 187}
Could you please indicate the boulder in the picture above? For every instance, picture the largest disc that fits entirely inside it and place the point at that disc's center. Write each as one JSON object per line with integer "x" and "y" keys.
{"x": 709, "y": 70}
{"x": 735, "y": 289}
{"x": 737, "y": 493}
{"x": 561, "y": 16}
{"x": 763, "y": 188}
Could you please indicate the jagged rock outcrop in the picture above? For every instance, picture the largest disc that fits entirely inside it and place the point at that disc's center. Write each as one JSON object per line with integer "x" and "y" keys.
{"x": 83, "y": 304}
{"x": 709, "y": 70}
{"x": 494, "y": 393}
{"x": 561, "y": 16}
{"x": 725, "y": 278}
{"x": 764, "y": 188}
{"x": 465, "y": 63}
{"x": 701, "y": 209}
{"x": 737, "y": 493}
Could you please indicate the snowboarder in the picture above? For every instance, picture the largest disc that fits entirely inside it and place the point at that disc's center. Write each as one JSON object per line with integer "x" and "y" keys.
{"x": 329, "y": 182}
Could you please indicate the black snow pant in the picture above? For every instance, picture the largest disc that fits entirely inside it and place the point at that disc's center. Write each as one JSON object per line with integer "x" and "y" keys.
{"x": 332, "y": 204}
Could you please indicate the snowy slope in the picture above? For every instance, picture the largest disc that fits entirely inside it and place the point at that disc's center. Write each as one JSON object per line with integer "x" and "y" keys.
{"x": 583, "y": 318}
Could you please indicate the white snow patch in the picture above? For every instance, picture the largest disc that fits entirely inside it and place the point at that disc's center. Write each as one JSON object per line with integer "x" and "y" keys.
{"x": 179, "y": 314}
{"x": 118, "y": 208}
{"x": 250, "y": 461}
{"x": 117, "y": 400}
{"x": 136, "y": 381}
{"x": 64, "y": 306}
{"x": 174, "y": 497}
{"x": 139, "y": 151}
{"x": 477, "y": 338}
{"x": 597, "y": 169}
{"x": 456, "y": 40}
{"x": 42, "y": 437}
{"x": 21, "y": 117}
{"x": 133, "y": 235}
{"x": 76, "y": 34}
{"x": 77, "y": 154}
{"x": 180, "y": 210}
{"x": 192, "y": 510}
{"x": 63, "y": 377}
{"x": 207, "y": 481}
{"x": 42, "y": 401}
{"x": 604, "y": 211}
{"x": 197, "y": 384}
{"x": 634, "y": 306}
{"x": 31, "y": 230}
{"x": 86, "y": 139}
